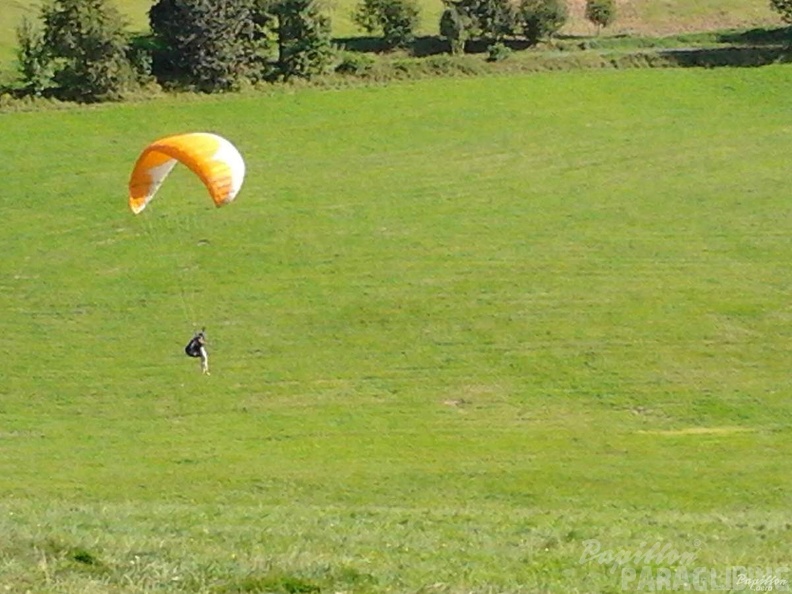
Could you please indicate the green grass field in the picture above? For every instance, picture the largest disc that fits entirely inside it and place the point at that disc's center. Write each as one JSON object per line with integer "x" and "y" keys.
{"x": 458, "y": 329}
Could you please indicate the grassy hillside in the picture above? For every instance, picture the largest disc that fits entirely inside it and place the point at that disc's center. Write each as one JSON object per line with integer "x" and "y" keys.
{"x": 667, "y": 17}
{"x": 635, "y": 16}
{"x": 458, "y": 329}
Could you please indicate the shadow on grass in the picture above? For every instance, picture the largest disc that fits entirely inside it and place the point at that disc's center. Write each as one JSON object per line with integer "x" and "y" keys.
{"x": 758, "y": 37}
{"x": 428, "y": 45}
{"x": 363, "y": 45}
{"x": 424, "y": 46}
{"x": 728, "y": 56}
{"x": 754, "y": 47}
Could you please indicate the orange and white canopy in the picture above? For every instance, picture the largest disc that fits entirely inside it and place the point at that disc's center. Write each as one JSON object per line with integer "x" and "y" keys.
{"x": 212, "y": 158}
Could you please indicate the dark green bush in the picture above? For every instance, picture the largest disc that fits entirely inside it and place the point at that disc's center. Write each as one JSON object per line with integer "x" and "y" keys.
{"x": 497, "y": 52}
{"x": 80, "y": 53}
{"x": 601, "y": 12}
{"x": 395, "y": 20}
{"x": 303, "y": 31}
{"x": 211, "y": 45}
{"x": 36, "y": 69}
{"x": 541, "y": 18}
{"x": 454, "y": 26}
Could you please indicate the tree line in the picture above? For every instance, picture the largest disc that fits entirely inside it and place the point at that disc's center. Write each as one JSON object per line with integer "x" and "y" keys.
{"x": 78, "y": 50}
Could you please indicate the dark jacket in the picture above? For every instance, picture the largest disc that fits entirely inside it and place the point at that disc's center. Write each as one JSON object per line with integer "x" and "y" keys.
{"x": 193, "y": 348}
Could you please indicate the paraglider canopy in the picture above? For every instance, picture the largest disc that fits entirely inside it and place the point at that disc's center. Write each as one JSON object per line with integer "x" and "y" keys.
{"x": 212, "y": 158}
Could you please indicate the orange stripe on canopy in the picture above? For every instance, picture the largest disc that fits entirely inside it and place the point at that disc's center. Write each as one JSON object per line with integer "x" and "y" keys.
{"x": 211, "y": 157}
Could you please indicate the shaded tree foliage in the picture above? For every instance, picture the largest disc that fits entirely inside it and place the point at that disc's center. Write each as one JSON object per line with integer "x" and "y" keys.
{"x": 209, "y": 44}
{"x": 497, "y": 19}
{"x": 215, "y": 45}
{"x": 303, "y": 36}
{"x": 79, "y": 54}
{"x": 494, "y": 19}
{"x": 396, "y": 20}
{"x": 488, "y": 19}
{"x": 540, "y": 19}
{"x": 601, "y": 12}
{"x": 35, "y": 68}
{"x": 784, "y": 8}
{"x": 455, "y": 27}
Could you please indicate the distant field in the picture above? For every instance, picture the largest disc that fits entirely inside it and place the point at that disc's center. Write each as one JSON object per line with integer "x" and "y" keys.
{"x": 666, "y": 17}
{"x": 635, "y": 16}
{"x": 459, "y": 329}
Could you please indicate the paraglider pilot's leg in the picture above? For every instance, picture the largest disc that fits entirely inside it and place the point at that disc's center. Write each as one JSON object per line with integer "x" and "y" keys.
{"x": 204, "y": 361}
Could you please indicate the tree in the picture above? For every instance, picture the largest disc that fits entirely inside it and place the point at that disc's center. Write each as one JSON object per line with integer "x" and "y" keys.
{"x": 784, "y": 8}
{"x": 495, "y": 18}
{"x": 211, "y": 44}
{"x": 80, "y": 53}
{"x": 491, "y": 19}
{"x": 397, "y": 20}
{"x": 601, "y": 12}
{"x": 454, "y": 27}
{"x": 36, "y": 70}
{"x": 304, "y": 40}
{"x": 541, "y": 18}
